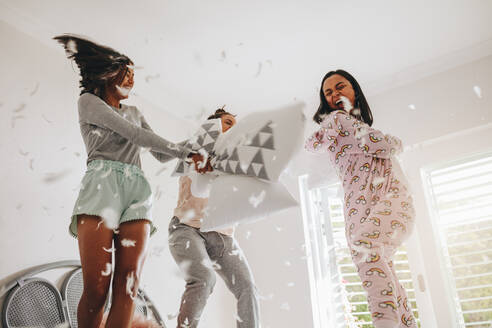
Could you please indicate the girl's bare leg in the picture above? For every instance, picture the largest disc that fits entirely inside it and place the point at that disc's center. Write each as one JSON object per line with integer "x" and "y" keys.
{"x": 93, "y": 237}
{"x": 131, "y": 247}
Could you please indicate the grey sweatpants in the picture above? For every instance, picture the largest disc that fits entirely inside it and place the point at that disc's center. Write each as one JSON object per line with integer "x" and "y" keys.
{"x": 199, "y": 254}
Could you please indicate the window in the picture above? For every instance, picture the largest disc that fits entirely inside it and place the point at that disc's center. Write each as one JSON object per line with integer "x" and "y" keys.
{"x": 338, "y": 297}
{"x": 460, "y": 197}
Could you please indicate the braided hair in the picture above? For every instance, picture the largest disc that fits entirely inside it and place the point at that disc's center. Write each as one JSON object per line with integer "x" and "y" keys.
{"x": 100, "y": 66}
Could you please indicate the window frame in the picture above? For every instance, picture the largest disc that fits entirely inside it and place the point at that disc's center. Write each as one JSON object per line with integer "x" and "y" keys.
{"x": 440, "y": 244}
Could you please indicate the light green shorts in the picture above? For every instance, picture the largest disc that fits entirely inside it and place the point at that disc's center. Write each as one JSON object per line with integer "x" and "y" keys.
{"x": 115, "y": 191}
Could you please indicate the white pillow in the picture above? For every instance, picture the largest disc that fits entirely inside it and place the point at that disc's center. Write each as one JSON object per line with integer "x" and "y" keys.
{"x": 261, "y": 144}
{"x": 239, "y": 199}
{"x": 259, "y": 147}
{"x": 317, "y": 167}
{"x": 201, "y": 184}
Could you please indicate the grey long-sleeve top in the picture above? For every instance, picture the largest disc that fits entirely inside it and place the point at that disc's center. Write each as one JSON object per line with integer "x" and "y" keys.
{"x": 117, "y": 134}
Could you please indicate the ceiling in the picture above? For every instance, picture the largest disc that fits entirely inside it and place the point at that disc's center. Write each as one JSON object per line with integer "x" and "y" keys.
{"x": 197, "y": 55}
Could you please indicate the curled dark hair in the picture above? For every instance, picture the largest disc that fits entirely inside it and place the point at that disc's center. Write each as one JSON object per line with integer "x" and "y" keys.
{"x": 360, "y": 100}
{"x": 219, "y": 113}
{"x": 100, "y": 66}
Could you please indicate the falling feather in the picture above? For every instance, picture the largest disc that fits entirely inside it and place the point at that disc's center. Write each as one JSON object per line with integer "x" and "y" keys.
{"x": 128, "y": 243}
{"x": 106, "y": 272}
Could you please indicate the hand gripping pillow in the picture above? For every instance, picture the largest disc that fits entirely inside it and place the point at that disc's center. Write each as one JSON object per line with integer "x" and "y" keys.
{"x": 204, "y": 138}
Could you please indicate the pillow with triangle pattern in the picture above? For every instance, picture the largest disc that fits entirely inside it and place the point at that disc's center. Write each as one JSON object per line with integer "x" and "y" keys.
{"x": 260, "y": 145}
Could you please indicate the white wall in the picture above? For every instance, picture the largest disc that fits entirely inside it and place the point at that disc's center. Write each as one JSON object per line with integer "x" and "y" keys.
{"x": 444, "y": 103}
{"x": 34, "y": 214}
{"x": 275, "y": 251}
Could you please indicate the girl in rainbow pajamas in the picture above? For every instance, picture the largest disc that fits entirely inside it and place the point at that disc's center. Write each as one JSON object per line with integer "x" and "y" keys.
{"x": 377, "y": 205}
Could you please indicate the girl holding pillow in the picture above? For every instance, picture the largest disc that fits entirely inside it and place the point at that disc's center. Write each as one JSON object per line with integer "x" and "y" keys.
{"x": 201, "y": 254}
{"x": 114, "y": 189}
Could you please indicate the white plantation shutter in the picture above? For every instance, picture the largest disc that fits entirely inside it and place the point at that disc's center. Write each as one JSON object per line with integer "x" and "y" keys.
{"x": 461, "y": 201}
{"x": 339, "y": 298}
